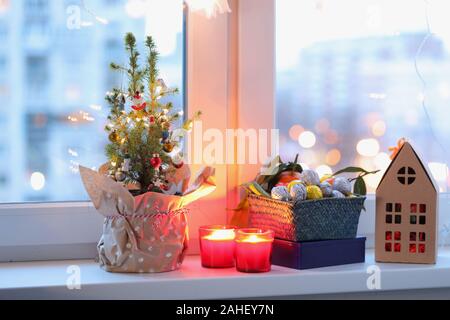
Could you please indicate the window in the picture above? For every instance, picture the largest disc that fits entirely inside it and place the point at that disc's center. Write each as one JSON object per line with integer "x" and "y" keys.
{"x": 406, "y": 176}
{"x": 347, "y": 87}
{"x": 56, "y": 75}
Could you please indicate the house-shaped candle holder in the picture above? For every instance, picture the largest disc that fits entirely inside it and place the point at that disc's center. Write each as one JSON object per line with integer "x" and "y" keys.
{"x": 406, "y": 211}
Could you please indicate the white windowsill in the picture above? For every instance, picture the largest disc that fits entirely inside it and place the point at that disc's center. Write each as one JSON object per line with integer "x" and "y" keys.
{"x": 47, "y": 280}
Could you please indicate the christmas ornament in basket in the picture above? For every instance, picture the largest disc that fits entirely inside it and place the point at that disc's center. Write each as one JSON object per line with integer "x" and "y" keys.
{"x": 301, "y": 206}
{"x": 143, "y": 234}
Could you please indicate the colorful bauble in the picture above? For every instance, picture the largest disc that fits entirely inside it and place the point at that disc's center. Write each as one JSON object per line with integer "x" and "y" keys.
{"x": 281, "y": 193}
{"x": 178, "y": 161}
{"x": 314, "y": 193}
{"x": 342, "y": 185}
{"x": 168, "y": 147}
{"x": 120, "y": 176}
{"x": 156, "y": 161}
{"x": 114, "y": 137}
{"x": 164, "y": 168}
{"x": 338, "y": 195}
{"x": 327, "y": 189}
{"x": 165, "y": 135}
{"x": 138, "y": 102}
{"x": 310, "y": 178}
{"x": 298, "y": 192}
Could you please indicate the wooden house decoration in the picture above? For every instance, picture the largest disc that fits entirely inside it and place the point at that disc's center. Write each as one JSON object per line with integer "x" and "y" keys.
{"x": 406, "y": 211}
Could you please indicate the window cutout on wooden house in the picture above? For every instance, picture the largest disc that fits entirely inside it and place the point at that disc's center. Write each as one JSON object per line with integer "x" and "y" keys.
{"x": 389, "y": 207}
{"x": 398, "y": 207}
{"x": 413, "y": 236}
{"x": 388, "y": 235}
{"x": 389, "y": 219}
{"x": 413, "y": 208}
{"x": 388, "y": 247}
{"x": 397, "y": 247}
{"x": 423, "y": 220}
{"x": 423, "y": 208}
{"x": 398, "y": 219}
{"x": 421, "y": 248}
{"x": 412, "y": 248}
{"x": 398, "y": 236}
{"x": 422, "y": 237}
{"x": 413, "y": 219}
{"x": 406, "y": 176}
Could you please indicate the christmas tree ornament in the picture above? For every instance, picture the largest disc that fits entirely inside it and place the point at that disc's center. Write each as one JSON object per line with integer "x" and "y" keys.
{"x": 168, "y": 147}
{"x": 152, "y": 120}
{"x": 138, "y": 102}
{"x": 162, "y": 85}
{"x": 178, "y": 161}
{"x": 120, "y": 176}
{"x": 114, "y": 137}
{"x": 156, "y": 161}
{"x": 164, "y": 168}
{"x": 165, "y": 135}
{"x": 310, "y": 178}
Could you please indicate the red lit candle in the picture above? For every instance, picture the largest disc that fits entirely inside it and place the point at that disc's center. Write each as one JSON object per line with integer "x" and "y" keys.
{"x": 217, "y": 246}
{"x": 254, "y": 250}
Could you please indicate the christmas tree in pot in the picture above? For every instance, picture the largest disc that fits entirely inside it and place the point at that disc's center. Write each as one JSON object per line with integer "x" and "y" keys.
{"x": 144, "y": 149}
{"x": 142, "y": 190}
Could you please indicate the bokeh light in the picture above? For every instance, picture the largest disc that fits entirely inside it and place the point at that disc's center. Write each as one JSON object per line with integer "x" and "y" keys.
{"x": 368, "y": 147}
{"x": 379, "y": 128}
{"x": 307, "y": 139}
{"x": 382, "y": 161}
{"x": 333, "y": 157}
{"x": 439, "y": 171}
{"x": 296, "y": 131}
{"x": 323, "y": 125}
{"x": 331, "y": 137}
{"x": 37, "y": 181}
{"x": 324, "y": 170}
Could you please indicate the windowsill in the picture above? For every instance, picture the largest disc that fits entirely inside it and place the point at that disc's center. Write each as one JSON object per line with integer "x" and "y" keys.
{"x": 47, "y": 280}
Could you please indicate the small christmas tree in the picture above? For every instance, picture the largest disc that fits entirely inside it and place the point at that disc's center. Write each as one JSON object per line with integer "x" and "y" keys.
{"x": 144, "y": 148}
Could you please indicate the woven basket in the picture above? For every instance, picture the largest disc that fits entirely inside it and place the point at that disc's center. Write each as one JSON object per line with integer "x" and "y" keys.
{"x": 315, "y": 220}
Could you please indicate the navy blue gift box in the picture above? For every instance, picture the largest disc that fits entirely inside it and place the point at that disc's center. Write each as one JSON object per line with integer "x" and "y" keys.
{"x": 318, "y": 254}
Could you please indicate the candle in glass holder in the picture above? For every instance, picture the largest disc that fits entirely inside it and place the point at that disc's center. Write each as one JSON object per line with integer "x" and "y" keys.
{"x": 254, "y": 250}
{"x": 217, "y": 246}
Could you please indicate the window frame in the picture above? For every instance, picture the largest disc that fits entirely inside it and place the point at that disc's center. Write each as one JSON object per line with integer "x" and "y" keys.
{"x": 220, "y": 68}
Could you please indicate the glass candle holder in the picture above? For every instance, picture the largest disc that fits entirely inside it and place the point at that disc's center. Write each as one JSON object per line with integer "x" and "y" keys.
{"x": 254, "y": 250}
{"x": 217, "y": 246}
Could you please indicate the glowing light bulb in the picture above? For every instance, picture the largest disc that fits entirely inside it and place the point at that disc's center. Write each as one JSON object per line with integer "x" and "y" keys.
{"x": 37, "y": 181}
